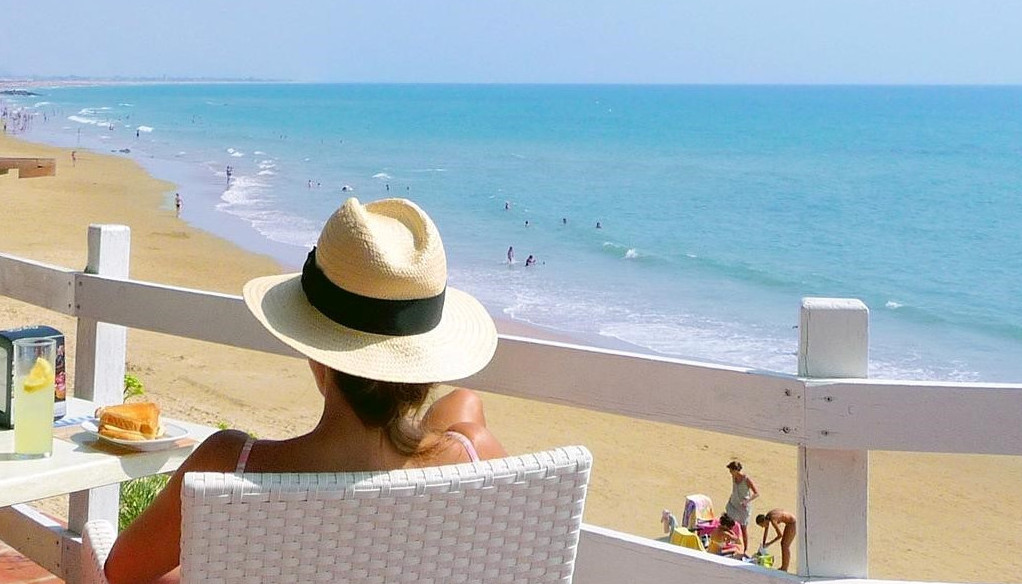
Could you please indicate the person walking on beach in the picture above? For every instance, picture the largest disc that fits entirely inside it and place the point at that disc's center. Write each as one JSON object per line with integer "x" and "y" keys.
{"x": 375, "y": 372}
{"x": 773, "y": 518}
{"x": 177, "y": 203}
{"x": 739, "y": 505}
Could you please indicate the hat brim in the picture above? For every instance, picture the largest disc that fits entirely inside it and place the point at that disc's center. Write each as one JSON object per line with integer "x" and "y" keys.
{"x": 462, "y": 344}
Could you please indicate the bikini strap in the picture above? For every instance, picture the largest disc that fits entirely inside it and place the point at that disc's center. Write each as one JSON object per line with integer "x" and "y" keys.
{"x": 243, "y": 457}
{"x": 469, "y": 447}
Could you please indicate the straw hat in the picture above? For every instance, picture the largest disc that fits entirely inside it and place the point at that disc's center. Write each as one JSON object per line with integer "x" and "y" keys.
{"x": 372, "y": 300}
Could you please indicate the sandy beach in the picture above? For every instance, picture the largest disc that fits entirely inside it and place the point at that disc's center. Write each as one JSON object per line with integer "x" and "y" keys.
{"x": 927, "y": 512}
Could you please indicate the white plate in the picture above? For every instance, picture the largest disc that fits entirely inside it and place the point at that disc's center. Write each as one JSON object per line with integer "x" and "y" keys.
{"x": 171, "y": 433}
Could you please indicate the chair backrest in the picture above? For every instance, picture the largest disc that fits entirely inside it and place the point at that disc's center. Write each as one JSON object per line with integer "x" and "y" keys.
{"x": 512, "y": 519}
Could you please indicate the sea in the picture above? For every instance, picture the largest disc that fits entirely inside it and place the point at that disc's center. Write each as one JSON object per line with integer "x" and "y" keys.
{"x": 683, "y": 221}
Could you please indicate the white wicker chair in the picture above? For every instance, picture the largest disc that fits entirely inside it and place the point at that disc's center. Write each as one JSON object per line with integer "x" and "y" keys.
{"x": 512, "y": 519}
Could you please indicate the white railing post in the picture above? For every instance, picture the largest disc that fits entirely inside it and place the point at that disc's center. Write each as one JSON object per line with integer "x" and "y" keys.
{"x": 101, "y": 347}
{"x": 99, "y": 363}
{"x": 833, "y": 490}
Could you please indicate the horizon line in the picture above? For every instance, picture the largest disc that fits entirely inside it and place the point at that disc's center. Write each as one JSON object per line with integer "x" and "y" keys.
{"x": 70, "y": 80}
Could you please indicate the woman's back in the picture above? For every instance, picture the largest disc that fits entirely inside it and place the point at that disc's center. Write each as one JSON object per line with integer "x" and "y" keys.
{"x": 306, "y": 455}
{"x": 453, "y": 428}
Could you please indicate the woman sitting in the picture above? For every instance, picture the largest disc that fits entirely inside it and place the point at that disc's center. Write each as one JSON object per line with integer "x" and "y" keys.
{"x": 725, "y": 540}
{"x": 380, "y": 327}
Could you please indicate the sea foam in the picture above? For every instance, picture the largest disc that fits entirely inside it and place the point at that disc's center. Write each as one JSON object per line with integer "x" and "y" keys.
{"x": 705, "y": 228}
{"x": 244, "y": 190}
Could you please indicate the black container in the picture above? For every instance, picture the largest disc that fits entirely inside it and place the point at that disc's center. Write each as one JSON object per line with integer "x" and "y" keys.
{"x": 7, "y": 339}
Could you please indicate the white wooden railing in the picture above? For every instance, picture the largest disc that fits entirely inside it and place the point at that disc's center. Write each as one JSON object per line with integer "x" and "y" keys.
{"x": 830, "y": 412}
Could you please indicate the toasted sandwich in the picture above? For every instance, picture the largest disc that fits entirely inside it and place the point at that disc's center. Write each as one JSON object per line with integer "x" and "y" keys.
{"x": 134, "y": 421}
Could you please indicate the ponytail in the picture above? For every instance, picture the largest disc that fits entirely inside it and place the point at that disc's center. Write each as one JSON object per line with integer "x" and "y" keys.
{"x": 388, "y": 405}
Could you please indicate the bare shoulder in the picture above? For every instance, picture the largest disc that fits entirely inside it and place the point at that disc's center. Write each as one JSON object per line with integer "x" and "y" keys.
{"x": 219, "y": 452}
{"x": 485, "y": 442}
{"x": 457, "y": 406}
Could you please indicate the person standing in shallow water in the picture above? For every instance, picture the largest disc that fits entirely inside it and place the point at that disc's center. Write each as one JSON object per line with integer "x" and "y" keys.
{"x": 739, "y": 505}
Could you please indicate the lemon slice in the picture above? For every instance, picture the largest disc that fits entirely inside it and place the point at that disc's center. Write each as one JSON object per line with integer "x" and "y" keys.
{"x": 40, "y": 376}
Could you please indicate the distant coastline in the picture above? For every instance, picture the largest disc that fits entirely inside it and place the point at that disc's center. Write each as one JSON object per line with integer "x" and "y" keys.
{"x": 15, "y": 83}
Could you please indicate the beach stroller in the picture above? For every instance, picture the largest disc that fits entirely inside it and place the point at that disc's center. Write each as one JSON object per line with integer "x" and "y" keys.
{"x": 698, "y": 516}
{"x": 697, "y": 521}
{"x": 679, "y": 535}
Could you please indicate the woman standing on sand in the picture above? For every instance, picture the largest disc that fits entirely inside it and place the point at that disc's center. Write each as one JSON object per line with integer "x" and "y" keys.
{"x": 373, "y": 314}
{"x": 774, "y": 518}
{"x": 739, "y": 505}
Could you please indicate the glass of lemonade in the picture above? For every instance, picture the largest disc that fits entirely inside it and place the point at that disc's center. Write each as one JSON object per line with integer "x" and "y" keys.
{"x": 32, "y": 406}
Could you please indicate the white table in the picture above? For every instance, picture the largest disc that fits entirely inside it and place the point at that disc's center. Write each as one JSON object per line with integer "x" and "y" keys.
{"x": 75, "y": 467}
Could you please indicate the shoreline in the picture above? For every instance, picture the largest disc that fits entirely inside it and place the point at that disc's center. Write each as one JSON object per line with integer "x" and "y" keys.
{"x": 640, "y": 467}
{"x": 690, "y": 308}
{"x": 201, "y": 193}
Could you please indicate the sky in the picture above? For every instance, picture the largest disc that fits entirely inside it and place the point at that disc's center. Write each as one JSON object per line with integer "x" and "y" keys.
{"x": 522, "y": 41}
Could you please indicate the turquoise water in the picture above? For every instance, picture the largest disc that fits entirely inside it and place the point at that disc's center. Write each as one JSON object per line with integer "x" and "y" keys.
{"x": 720, "y": 207}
